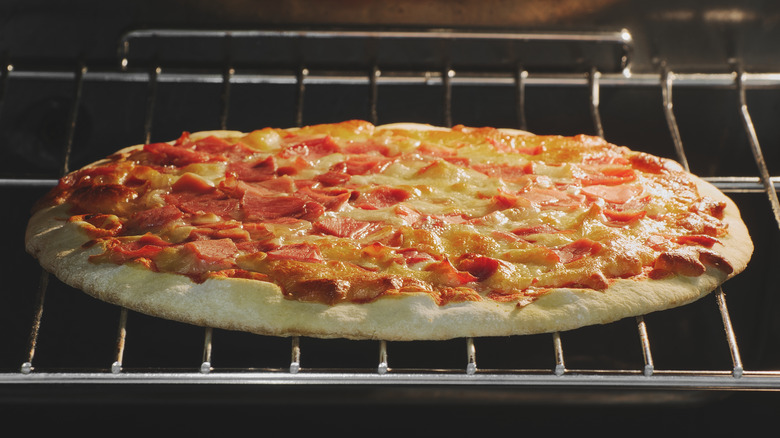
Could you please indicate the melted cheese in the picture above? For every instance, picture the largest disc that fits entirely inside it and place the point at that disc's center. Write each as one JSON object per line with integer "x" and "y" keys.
{"x": 541, "y": 211}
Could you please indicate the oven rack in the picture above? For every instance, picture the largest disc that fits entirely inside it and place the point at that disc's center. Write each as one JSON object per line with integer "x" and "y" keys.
{"x": 470, "y": 375}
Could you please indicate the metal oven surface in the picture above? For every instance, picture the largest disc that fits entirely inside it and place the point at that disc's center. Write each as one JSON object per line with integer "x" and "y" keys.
{"x": 62, "y": 350}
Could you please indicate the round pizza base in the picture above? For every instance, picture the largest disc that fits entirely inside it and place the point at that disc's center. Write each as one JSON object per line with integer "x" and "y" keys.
{"x": 259, "y": 307}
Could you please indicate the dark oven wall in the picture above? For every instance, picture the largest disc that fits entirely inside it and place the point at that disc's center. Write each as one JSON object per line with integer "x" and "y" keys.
{"x": 684, "y": 34}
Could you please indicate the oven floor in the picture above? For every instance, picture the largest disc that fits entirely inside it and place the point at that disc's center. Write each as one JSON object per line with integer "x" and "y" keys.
{"x": 737, "y": 413}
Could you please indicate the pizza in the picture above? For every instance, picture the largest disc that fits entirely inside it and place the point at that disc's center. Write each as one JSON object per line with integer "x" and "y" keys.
{"x": 399, "y": 232}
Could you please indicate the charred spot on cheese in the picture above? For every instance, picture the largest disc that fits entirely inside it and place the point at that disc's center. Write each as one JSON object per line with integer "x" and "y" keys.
{"x": 98, "y": 224}
{"x": 349, "y": 212}
{"x": 102, "y": 198}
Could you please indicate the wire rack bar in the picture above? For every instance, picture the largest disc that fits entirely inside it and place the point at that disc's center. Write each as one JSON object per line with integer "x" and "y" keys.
{"x": 300, "y": 82}
{"x": 521, "y": 75}
{"x": 4, "y": 83}
{"x": 153, "y": 77}
{"x": 32, "y": 340}
{"x": 121, "y": 336}
{"x": 666, "y": 89}
{"x": 731, "y": 337}
{"x": 417, "y": 77}
{"x": 383, "y": 366}
{"x": 572, "y": 378}
{"x": 373, "y": 76}
{"x": 644, "y": 340}
{"x": 594, "y": 84}
{"x": 621, "y": 36}
{"x": 755, "y": 147}
{"x": 72, "y": 118}
{"x": 205, "y": 365}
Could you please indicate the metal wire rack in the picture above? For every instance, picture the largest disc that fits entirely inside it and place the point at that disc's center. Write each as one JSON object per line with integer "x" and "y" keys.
{"x": 518, "y": 78}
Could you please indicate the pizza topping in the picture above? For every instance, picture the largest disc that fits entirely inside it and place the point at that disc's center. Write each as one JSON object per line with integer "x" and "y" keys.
{"x": 577, "y": 250}
{"x": 362, "y": 164}
{"x": 304, "y": 252}
{"x": 717, "y": 261}
{"x": 165, "y": 154}
{"x": 330, "y": 199}
{"x": 311, "y": 149}
{"x": 346, "y": 227}
{"x": 683, "y": 262}
{"x": 537, "y": 229}
{"x": 352, "y": 212}
{"x": 102, "y": 198}
{"x": 217, "y": 250}
{"x": 697, "y": 239}
{"x": 480, "y": 267}
{"x": 447, "y": 275}
{"x": 380, "y": 197}
{"x": 155, "y": 218}
{"x": 552, "y": 198}
{"x": 506, "y": 172}
{"x": 620, "y": 194}
{"x": 260, "y": 169}
{"x": 214, "y": 202}
{"x": 99, "y": 225}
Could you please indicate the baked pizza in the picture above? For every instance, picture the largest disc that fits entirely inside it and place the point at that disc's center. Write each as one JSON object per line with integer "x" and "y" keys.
{"x": 394, "y": 232}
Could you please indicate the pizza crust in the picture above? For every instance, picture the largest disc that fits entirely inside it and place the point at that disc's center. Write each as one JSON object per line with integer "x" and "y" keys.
{"x": 259, "y": 307}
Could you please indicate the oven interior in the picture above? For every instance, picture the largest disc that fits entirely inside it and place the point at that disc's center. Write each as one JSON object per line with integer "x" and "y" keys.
{"x": 694, "y": 83}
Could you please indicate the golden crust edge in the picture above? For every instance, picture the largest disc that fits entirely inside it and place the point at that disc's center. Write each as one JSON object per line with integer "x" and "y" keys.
{"x": 259, "y": 307}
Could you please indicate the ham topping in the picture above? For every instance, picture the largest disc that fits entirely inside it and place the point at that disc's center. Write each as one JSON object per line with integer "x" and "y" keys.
{"x": 169, "y": 155}
{"x": 380, "y": 197}
{"x": 577, "y": 250}
{"x": 303, "y": 252}
{"x": 311, "y": 149}
{"x": 258, "y": 207}
{"x": 346, "y": 227}
{"x": 260, "y": 169}
{"x": 612, "y": 194}
{"x": 155, "y": 217}
{"x": 215, "y": 251}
